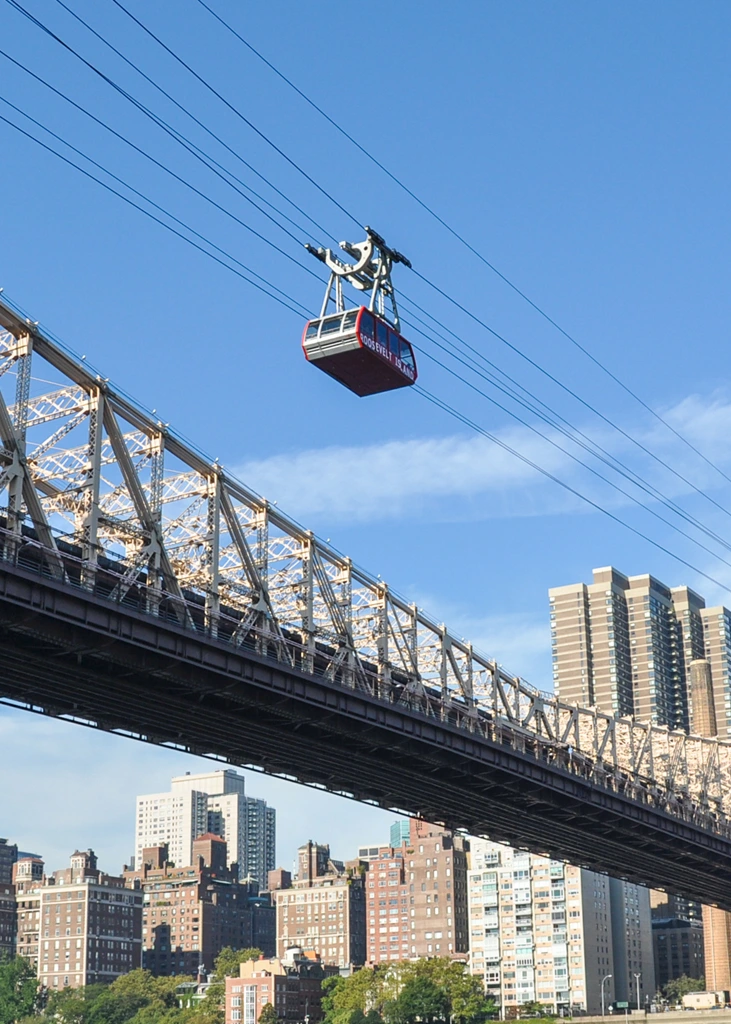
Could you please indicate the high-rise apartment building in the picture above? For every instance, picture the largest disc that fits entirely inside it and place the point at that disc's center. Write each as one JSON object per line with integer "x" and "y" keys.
{"x": 542, "y": 930}
{"x": 626, "y": 645}
{"x": 323, "y": 910}
{"x": 632, "y": 942}
{"x": 666, "y": 905}
{"x": 8, "y": 857}
{"x": 400, "y": 832}
{"x": 678, "y": 949}
{"x": 717, "y": 651}
{"x": 211, "y": 802}
{"x": 191, "y": 913}
{"x": 7, "y": 920}
{"x": 28, "y": 880}
{"x": 90, "y": 926}
{"x": 417, "y": 897}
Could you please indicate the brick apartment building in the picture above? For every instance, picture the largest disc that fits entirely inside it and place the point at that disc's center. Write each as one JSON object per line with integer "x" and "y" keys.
{"x": 292, "y": 985}
{"x": 323, "y": 908}
{"x": 191, "y": 913}
{"x": 89, "y": 925}
{"x": 417, "y": 896}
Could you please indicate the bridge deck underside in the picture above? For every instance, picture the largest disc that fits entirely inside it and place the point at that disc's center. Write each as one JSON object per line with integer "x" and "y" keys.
{"x": 65, "y": 653}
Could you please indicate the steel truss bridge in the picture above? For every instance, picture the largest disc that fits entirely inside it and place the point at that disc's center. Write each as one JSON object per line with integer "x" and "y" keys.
{"x": 145, "y": 591}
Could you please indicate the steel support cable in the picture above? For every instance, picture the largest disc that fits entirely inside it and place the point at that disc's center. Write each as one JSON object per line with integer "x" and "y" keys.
{"x": 559, "y": 447}
{"x": 158, "y": 121}
{"x": 451, "y": 411}
{"x": 152, "y": 203}
{"x": 570, "y": 391}
{"x": 514, "y": 348}
{"x": 533, "y": 404}
{"x": 201, "y": 124}
{"x": 173, "y": 133}
{"x": 463, "y": 241}
{"x": 158, "y": 220}
{"x": 228, "y": 255}
{"x": 237, "y": 112}
{"x": 443, "y": 405}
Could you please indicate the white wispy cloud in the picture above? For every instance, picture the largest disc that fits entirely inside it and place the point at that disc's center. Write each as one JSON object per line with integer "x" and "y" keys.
{"x": 364, "y": 481}
{"x": 470, "y": 477}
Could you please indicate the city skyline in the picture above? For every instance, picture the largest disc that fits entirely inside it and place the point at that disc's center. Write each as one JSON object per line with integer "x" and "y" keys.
{"x": 531, "y": 928}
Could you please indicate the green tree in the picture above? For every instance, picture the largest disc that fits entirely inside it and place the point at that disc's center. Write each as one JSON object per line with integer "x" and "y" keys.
{"x": 141, "y": 984}
{"x": 18, "y": 990}
{"x": 228, "y": 960}
{"x": 72, "y": 1005}
{"x": 268, "y": 1015}
{"x": 676, "y": 988}
{"x": 420, "y": 999}
{"x": 356, "y": 998}
{"x": 330, "y": 988}
{"x": 115, "y": 1007}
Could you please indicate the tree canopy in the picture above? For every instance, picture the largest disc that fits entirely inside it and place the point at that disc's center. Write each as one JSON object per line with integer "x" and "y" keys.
{"x": 676, "y": 988}
{"x": 268, "y": 1015}
{"x": 18, "y": 989}
{"x": 434, "y": 991}
{"x": 437, "y": 989}
{"x": 134, "y": 998}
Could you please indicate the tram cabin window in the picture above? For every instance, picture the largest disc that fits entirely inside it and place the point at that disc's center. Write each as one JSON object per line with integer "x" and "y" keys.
{"x": 382, "y": 335}
{"x": 407, "y": 356}
{"x": 331, "y": 325}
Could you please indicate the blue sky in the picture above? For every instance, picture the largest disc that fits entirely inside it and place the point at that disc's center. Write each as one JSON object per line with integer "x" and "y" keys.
{"x": 582, "y": 148}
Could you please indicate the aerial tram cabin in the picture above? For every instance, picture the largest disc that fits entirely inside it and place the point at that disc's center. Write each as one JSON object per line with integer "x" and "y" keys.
{"x": 360, "y": 347}
{"x": 360, "y": 350}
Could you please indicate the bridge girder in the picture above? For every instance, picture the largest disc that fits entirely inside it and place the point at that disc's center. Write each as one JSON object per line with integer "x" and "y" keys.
{"x": 109, "y": 499}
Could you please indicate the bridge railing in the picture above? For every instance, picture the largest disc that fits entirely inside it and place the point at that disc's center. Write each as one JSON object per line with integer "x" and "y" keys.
{"x": 111, "y": 499}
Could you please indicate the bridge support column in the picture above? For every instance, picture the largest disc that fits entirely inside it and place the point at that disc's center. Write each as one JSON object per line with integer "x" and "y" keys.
{"x": 213, "y": 543}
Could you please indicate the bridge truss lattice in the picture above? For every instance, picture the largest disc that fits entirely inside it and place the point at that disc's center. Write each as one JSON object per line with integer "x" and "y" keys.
{"x": 103, "y": 495}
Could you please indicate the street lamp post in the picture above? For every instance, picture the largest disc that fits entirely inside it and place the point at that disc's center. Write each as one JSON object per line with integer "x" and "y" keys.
{"x": 637, "y": 980}
{"x": 605, "y": 978}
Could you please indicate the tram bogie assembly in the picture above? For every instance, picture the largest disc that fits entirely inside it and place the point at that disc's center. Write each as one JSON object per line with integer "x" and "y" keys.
{"x": 361, "y": 347}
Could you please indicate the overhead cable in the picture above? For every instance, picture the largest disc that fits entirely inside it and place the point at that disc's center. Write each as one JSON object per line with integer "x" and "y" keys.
{"x": 569, "y": 391}
{"x": 173, "y": 133}
{"x": 207, "y": 129}
{"x": 673, "y": 506}
{"x": 291, "y": 307}
{"x": 460, "y": 238}
{"x": 559, "y": 447}
{"x": 451, "y": 411}
{"x": 430, "y": 283}
{"x": 237, "y": 112}
{"x": 550, "y": 415}
{"x": 163, "y": 223}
